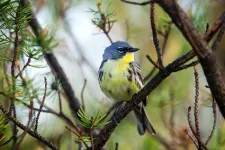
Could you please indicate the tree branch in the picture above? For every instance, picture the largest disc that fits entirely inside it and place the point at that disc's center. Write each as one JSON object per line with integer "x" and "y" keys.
{"x": 160, "y": 76}
{"x": 56, "y": 67}
{"x": 205, "y": 54}
{"x": 30, "y": 132}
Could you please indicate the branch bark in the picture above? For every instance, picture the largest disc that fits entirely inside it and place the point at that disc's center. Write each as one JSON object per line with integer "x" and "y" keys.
{"x": 56, "y": 67}
{"x": 104, "y": 135}
{"x": 205, "y": 54}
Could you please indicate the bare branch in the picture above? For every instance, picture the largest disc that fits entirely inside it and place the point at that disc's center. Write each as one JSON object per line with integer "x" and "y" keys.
{"x": 205, "y": 54}
{"x": 41, "y": 106}
{"x": 219, "y": 37}
{"x": 196, "y": 106}
{"x": 30, "y": 132}
{"x": 214, "y": 122}
{"x": 192, "y": 64}
{"x": 8, "y": 141}
{"x": 153, "y": 63}
{"x": 56, "y": 67}
{"x": 24, "y": 67}
{"x": 82, "y": 95}
{"x": 117, "y": 146}
{"x": 154, "y": 34}
{"x": 136, "y": 3}
{"x": 78, "y": 135}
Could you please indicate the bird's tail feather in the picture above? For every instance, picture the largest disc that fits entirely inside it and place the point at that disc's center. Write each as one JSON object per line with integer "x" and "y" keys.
{"x": 143, "y": 122}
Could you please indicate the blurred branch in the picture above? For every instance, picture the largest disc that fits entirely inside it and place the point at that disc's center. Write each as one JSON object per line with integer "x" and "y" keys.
{"x": 49, "y": 110}
{"x": 8, "y": 141}
{"x": 117, "y": 146}
{"x": 77, "y": 45}
{"x": 175, "y": 12}
{"x": 219, "y": 37}
{"x": 136, "y": 3}
{"x": 29, "y": 131}
{"x": 162, "y": 140}
{"x": 13, "y": 67}
{"x": 78, "y": 135}
{"x": 55, "y": 66}
{"x": 59, "y": 95}
{"x": 28, "y": 124}
{"x": 82, "y": 95}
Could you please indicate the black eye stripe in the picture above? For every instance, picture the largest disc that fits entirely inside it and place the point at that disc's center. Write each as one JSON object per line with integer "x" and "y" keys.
{"x": 124, "y": 48}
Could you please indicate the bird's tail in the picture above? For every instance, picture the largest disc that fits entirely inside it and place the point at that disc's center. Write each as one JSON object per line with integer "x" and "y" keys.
{"x": 143, "y": 122}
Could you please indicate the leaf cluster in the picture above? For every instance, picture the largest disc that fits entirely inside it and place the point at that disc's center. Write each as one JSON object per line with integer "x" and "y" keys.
{"x": 103, "y": 19}
{"x": 91, "y": 122}
{"x": 3, "y": 126}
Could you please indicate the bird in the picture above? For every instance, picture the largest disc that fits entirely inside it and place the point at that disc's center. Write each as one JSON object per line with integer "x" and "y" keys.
{"x": 119, "y": 77}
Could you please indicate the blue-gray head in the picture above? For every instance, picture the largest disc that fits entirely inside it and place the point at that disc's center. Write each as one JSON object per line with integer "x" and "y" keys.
{"x": 117, "y": 50}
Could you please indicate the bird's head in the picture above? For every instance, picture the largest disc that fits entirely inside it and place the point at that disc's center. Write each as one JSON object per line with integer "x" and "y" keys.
{"x": 119, "y": 50}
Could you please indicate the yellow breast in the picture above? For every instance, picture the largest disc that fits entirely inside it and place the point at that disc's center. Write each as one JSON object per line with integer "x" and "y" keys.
{"x": 114, "y": 82}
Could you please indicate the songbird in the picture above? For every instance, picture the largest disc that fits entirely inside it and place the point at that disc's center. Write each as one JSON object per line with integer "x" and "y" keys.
{"x": 120, "y": 78}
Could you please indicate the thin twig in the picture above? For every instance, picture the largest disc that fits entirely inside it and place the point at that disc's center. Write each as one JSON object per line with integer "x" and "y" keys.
{"x": 160, "y": 76}
{"x": 91, "y": 134}
{"x": 219, "y": 37}
{"x": 59, "y": 95}
{"x": 8, "y": 141}
{"x": 54, "y": 65}
{"x": 153, "y": 63}
{"x": 15, "y": 52}
{"x": 165, "y": 41}
{"x": 150, "y": 74}
{"x": 207, "y": 28}
{"x": 191, "y": 138}
{"x": 117, "y": 146}
{"x": 196, "y": 106}
{"x": 214, "y": 122}
{"x": 28, "y": 124}
{"x": 106, "y": 26}
{"x": 192, "y": 64}
{"x": 154, "y": 34}
{"x": 24, "y": 67}
{"x": 41, "y": 106}
{"x": 136, "y": 3}
{"x": 82, "y": 95}
{"x": 172, "y": 114}
{"x": 30, "y": 132}
{"x": 189, "y": 120}
{"x": 80, "y": 138}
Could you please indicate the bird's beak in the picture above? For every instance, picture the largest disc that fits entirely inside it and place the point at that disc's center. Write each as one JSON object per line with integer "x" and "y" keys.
{"x": 134, "y": 50}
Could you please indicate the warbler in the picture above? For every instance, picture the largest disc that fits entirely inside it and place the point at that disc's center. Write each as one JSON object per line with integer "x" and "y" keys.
{"x": 120, "y": 78}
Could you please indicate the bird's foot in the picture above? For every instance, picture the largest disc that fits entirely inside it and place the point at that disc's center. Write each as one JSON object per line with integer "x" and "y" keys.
{"x": 119, "y": 106}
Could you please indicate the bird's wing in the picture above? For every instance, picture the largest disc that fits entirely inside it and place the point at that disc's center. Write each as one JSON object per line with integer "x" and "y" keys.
{"x": 138, "y": 77}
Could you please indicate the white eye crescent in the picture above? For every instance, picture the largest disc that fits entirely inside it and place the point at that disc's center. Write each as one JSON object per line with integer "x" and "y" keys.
{"x": 121, "y": 52}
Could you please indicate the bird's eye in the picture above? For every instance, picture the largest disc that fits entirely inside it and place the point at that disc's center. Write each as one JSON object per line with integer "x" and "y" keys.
{"x": 120, "y": 50}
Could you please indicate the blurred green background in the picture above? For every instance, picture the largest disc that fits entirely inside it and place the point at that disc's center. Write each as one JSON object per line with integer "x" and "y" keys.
{"x": 79, "y": 51}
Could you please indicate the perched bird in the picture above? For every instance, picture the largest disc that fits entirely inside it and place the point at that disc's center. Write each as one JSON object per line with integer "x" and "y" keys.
{"x": 120, "y": 78}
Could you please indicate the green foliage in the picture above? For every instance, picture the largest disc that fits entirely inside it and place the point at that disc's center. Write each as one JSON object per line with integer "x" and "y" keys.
{"x": 3, "y": 126}
{"x": 103, "y": 19}
{"x": 91, "y": 122}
